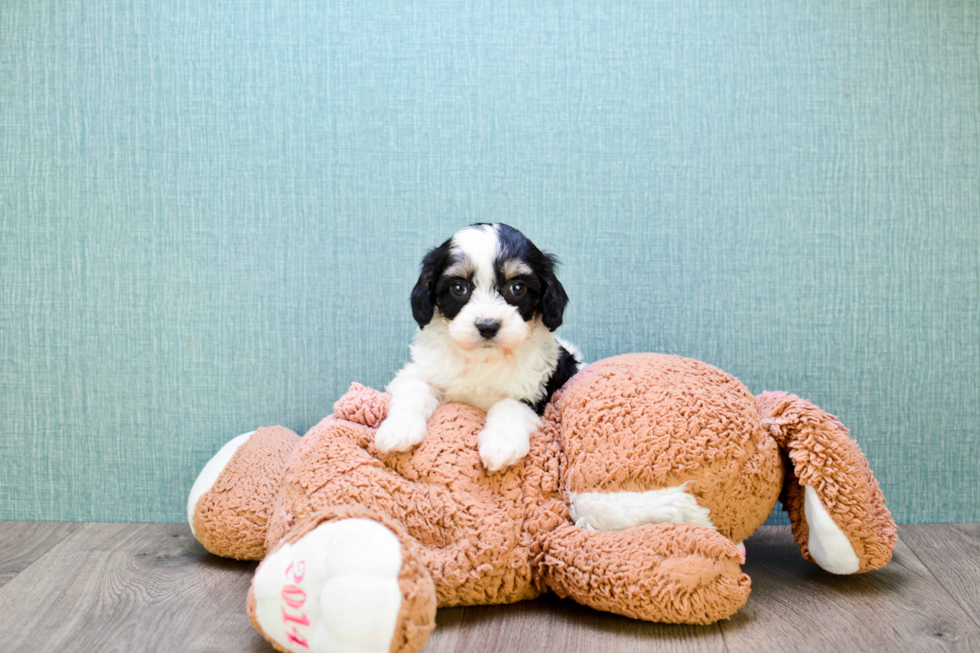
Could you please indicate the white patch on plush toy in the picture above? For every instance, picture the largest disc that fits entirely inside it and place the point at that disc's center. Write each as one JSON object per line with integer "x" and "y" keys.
{"x": 614, "y": 511}
{"x": 336, "y": 589}
{"x": 211, "y": 472}
{"x": 828, "y": 545}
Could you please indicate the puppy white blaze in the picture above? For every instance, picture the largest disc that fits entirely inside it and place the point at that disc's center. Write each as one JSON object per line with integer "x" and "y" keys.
{"x": 614, "y": 511}
{"x": 479, "y": 245}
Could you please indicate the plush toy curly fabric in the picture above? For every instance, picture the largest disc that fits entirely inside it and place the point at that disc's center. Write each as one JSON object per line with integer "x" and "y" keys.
{"x": 635, "y": 497}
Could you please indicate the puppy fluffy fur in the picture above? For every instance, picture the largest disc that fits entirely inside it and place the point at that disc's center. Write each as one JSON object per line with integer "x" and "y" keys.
{"x": 487, "y": 302}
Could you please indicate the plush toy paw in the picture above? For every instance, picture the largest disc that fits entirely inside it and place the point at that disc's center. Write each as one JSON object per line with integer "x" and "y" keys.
{"x": 669, "y": 572}
{"x": 227, "y": 506}
{"x": 212, "y": 470}
{"x": 336, "y": 588}
{"x": 400, "y": 432}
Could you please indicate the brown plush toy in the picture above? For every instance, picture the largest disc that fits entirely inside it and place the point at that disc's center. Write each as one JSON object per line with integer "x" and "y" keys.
{"x": 635, "y": 497}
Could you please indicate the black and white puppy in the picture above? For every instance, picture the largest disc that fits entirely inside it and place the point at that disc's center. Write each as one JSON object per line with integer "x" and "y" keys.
{"x": 487, "y": 303}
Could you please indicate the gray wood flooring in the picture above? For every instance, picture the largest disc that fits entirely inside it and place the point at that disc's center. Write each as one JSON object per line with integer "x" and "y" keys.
{"x": 151, "y": 587}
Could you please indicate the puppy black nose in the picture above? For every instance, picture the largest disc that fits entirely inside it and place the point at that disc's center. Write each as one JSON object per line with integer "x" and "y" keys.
{"x": 488, "y": 328}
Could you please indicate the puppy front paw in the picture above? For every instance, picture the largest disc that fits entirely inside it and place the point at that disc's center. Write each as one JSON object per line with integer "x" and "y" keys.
{"x": 500, "y": 448}
{"x": 400, "y": 432}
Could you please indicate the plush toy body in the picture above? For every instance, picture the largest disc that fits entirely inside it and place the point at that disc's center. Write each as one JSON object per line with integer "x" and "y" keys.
{"x": 647, "y": 475}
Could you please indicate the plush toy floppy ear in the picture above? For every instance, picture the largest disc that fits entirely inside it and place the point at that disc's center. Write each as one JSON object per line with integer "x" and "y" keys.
{"x": 424, "y": 293}
{"x": 835, "y": 506}
{"x": 553, "y": 297}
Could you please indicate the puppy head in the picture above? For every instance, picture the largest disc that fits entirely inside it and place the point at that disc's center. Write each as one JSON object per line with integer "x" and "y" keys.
{"x": 489, "y": 283}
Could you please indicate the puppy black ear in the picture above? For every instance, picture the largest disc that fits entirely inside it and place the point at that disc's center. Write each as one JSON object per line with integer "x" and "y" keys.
{"x": 553, "y": 299}
{"x": 422, "y": 301}
{"x": 423, "y": 294}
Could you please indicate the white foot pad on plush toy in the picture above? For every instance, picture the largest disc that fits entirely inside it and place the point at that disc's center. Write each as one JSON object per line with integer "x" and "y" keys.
{"x": 213, "y": 468}
{"x": 336, "y": 589}
{"x": 828, "y": 545}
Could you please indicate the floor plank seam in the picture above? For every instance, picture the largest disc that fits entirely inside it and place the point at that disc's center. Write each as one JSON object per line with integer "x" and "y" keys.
{"x": 78, "y": 528}
{"x": 951, "y": 595}
{"x": 724, "y": 642}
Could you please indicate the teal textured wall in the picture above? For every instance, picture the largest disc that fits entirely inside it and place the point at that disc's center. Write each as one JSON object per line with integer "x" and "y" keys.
{"x": 211, "y": 215}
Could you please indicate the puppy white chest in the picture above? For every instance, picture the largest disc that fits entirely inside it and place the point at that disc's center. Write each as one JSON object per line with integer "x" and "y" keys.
{"x": 485, "y": 376}
{"x": 482, "y": 384}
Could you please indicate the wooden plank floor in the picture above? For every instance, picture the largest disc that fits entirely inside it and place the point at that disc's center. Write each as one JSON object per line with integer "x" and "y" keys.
{"x": 151, "y": 587}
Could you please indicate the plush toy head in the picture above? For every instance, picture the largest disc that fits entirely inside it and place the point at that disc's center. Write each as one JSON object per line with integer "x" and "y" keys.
{"x": 648, "y": 472}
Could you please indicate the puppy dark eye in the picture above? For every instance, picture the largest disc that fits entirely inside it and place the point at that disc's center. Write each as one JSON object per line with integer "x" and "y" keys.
{"x": 517, "y": 289}
{"x": 459, "y": 289}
